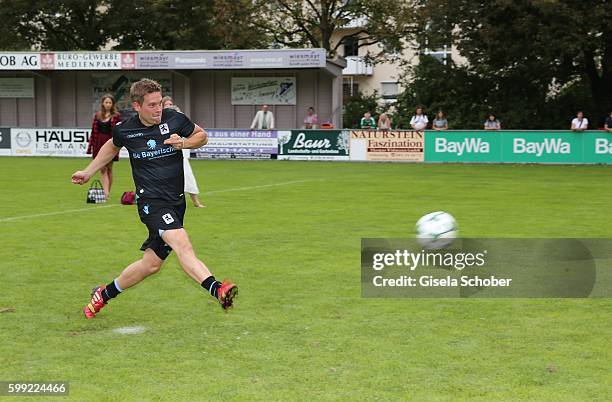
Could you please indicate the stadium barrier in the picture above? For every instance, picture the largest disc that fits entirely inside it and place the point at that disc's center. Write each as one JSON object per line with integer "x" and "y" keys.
{"x": 54, "y": 141}
{"x": 239, "y": 144}
{"x": 313, "y": 145}
{"x": 519, "y": 147}
{"x": 476, "y": 146}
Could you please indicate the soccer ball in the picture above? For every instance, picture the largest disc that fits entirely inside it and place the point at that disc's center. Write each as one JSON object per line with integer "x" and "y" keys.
{"x": 436, "y": 230}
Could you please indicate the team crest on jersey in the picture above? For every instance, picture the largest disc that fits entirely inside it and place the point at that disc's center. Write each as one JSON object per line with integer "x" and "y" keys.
{"x": 164, "y": 129}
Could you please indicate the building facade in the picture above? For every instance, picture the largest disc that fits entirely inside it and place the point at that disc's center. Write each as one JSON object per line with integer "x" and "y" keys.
{"x": 221, "y": 89}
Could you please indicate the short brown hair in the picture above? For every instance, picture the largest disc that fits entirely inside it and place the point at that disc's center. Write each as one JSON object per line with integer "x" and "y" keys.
{"x": 139, "y": 89}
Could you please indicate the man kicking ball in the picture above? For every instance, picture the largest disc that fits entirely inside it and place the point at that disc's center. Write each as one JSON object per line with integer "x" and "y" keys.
{"x": 155, "y": 138}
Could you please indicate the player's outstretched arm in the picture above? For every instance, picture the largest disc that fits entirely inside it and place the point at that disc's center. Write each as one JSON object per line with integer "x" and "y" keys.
{"x": 106, "y": 154}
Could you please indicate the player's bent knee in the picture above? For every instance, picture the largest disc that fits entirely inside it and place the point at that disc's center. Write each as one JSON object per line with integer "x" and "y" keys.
{"x": 151, "y": 262}
{"x": 150, "y": 266}
{"x": 153, "y": 268}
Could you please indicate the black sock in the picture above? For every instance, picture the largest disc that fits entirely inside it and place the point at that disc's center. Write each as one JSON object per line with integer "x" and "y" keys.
{"x": 110, "y": 292}
{"x": 211, "y": 285}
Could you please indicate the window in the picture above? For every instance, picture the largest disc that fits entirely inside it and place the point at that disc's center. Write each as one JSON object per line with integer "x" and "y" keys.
{"x": 349, "y": 87}
{"x": 389, "y": 51}
{"x": 351, "y": 46}
{"x": 442, "y": 54}
{"x": 389, "y": 90}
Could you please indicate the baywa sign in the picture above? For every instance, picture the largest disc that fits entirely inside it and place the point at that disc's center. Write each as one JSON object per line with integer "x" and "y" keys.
{"x": 518, "y": 146}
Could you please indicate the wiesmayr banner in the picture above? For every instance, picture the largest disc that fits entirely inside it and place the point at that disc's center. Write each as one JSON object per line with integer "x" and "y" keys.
{"x": 155, "y": 60}
{"x": 313, "y": 144}
{"x": 518, "y": 146}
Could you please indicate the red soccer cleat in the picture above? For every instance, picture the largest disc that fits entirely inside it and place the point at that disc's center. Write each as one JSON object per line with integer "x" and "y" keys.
{"x": 96, "y": 303}
{"x": 226, "y": 293}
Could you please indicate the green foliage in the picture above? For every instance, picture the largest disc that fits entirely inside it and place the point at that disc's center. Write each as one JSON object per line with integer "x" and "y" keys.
{"x": 466, "y": 99}
{"x": 355, "y": 106}
{"x": 55, "y": 25}
{"x": 139, "y": 24}
{"x": 516, "y": 53}
{"x": 186, "y": 24}
{"x": 435, "y": 86}
{"x": 299, "y": 23}
{"x": 10, "y": 39}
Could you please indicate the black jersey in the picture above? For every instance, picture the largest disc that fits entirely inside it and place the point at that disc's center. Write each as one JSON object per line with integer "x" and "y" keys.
{"x": 157, "y": 168}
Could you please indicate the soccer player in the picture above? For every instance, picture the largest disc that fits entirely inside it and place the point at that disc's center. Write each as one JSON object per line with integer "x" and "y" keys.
{"x": 155, "y": 138}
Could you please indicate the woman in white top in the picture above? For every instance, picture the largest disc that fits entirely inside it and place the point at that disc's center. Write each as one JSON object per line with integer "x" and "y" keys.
{"x": 191, "y": 186}
{"x": 419, "y": 120}
{"x": 580, "y": 123}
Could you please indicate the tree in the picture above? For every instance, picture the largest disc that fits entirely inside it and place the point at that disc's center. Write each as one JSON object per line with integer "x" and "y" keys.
{"x": 356, "y": 105}
{"x": 65, "y": 25}
{"x": 531, "y": 57}
{"x": 312, "y": 23}
{"x": 55, "y": 25}
{"x": 9, "y": 37}
{"x": 186, "y": 24}
{"x": 435, "y": 86}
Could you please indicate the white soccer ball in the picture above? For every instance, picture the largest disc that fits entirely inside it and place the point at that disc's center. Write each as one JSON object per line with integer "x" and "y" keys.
{"x": 436, "y": 230}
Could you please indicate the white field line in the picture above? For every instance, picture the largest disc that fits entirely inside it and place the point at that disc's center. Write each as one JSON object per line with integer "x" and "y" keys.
{"x": 70, "y": 211}
{"x": 139, "y": 329}
{"x": 286, "y": 183}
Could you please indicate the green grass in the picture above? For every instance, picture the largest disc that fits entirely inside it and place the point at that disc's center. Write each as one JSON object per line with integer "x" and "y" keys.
{"x": 300, "y": 329}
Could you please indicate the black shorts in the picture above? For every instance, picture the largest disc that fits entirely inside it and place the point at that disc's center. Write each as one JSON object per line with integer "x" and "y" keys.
{"x": 159, "y": 216}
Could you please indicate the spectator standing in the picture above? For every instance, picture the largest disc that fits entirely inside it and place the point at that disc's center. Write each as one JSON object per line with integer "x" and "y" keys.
{"x": 608, "y": 123}
{"x": 492, "y": 123}
{"x": 367, "y": 121}
{"x": 580, "y": 123}
{"x": 311, "y": 120}
{"x": 263, "y": 120}
{"x": 419, "y": 121}
{"x": 101, "y": 131}
{"x": 191, "y": 185}
{"x": 440, "y": 123}
{"x": 384, "y": 122}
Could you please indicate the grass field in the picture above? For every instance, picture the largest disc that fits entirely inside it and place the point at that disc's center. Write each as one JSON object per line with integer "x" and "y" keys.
{"x": 289, "y": 234}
